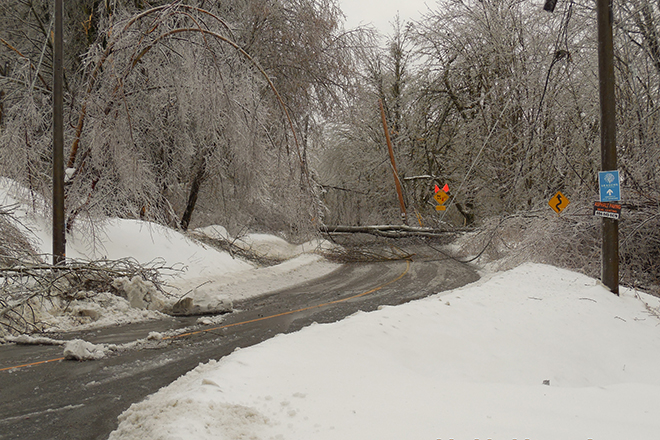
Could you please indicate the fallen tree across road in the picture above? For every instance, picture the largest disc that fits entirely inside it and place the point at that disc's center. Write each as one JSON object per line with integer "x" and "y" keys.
{"x": 390, "y": 231}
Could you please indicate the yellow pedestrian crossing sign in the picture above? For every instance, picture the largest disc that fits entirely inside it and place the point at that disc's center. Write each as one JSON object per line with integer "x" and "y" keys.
{"x": 559, "y": 202}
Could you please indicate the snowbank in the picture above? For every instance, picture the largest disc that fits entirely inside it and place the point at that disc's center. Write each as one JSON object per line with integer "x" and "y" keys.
{"x": 536, "y": 352}
{"x": 211, "y": 279}
{"x": 147, "y": 242}
{"x": 118, "y": 238}
{"x": 263, "y": 244}
{"x": 217, "y": 291}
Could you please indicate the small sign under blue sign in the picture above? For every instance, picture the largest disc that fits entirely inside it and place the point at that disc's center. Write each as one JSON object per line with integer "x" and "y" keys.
{"x": 609, "y": 186}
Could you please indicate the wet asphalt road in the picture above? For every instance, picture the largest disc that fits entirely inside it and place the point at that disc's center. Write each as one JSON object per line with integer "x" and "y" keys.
{"x": 81, "y": 400}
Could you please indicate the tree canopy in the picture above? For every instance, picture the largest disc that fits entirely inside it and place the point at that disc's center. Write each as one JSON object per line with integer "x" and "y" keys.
{"x": 265, "y": 114}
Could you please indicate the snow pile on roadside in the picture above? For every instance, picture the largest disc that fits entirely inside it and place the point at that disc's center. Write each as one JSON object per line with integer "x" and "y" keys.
{"x": 301, "y": 264}
{"x": 264, "y": 244}
{"x": 115, "y": 239}
{"x": 147, "y": 242}
{"x": 229, "y": 287}
{"x": 276, "y": 247}
{"x": 80, "y": 350}
{"x": 94, "y": 310}
{"x": 536, "y": 352}
{"x": 211, "y": 279}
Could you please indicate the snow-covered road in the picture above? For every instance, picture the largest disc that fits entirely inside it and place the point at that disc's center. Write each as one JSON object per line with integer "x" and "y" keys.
{"x": 90, "y": 395}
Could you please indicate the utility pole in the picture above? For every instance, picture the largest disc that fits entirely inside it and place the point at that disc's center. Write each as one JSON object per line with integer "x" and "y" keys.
{"x": 610, "y": 227}
{"x": 397, "y": 182}
{"x": 59, "y": 237}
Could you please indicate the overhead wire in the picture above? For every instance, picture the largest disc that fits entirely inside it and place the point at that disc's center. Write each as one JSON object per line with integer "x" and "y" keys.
{"x": 562, "y": 38}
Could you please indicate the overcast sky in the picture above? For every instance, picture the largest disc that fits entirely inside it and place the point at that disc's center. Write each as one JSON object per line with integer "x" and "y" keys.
{"x": 381, "y": 12}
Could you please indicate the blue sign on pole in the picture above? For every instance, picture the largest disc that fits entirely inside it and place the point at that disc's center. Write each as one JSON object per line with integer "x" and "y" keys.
{"x": 609, "y": 186}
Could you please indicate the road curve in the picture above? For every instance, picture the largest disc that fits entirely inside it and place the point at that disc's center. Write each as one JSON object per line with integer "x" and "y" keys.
{"x": 81, "y": 400}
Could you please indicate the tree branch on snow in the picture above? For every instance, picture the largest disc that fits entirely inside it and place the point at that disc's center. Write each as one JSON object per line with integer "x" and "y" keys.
{"x": 23, "y": 286}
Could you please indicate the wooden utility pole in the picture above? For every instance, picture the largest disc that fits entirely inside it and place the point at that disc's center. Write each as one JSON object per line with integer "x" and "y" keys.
{"x": 610, "y": 227}
{"x": 59, "y": 237}
{"x": 397, "y": 182}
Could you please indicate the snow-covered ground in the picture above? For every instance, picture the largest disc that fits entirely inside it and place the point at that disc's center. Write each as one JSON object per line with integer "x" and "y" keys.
{"x": 533, "y": 353}
{"x": 536, "y": 352}
{"x": 213, "y": 279}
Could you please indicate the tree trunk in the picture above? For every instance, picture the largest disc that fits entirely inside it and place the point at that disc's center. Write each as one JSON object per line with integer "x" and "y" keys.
{"x": 197, "y": 180}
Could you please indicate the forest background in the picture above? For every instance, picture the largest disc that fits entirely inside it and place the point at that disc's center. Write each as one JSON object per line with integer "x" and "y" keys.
{"x": 264, "y": 115}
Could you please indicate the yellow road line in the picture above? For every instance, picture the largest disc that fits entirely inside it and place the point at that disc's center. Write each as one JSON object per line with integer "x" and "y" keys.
{"x": 32, "y": 364}
{"x": 263, "y": 318}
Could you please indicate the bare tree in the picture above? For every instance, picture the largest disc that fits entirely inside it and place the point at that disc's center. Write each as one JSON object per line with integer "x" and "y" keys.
{"x": 176, "y": 107}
